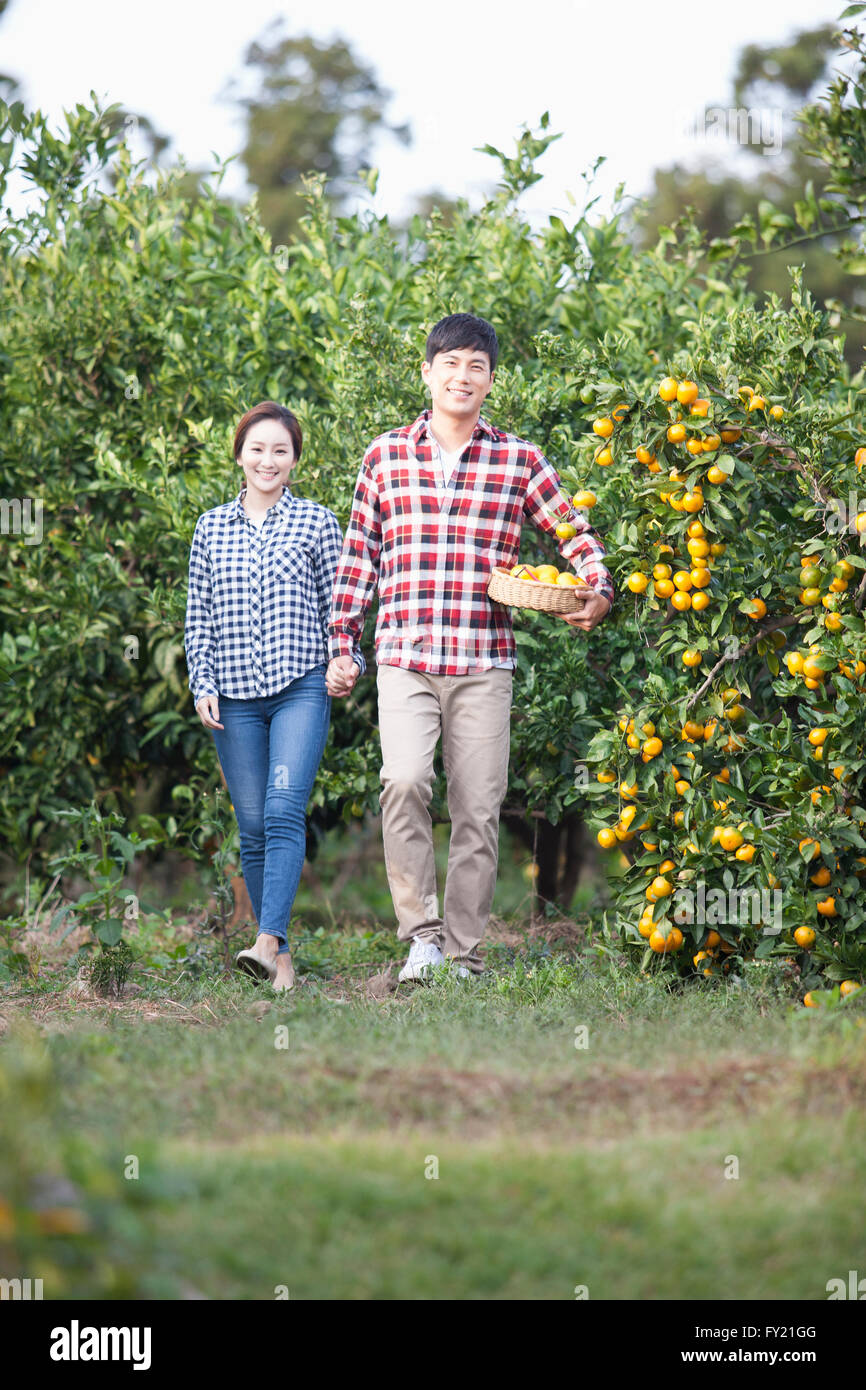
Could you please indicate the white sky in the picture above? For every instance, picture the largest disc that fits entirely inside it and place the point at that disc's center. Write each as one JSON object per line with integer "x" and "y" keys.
{"x": 619, "y": 79}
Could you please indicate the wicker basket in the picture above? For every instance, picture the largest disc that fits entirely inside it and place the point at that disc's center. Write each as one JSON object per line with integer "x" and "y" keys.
{"x": 534, "y": 593}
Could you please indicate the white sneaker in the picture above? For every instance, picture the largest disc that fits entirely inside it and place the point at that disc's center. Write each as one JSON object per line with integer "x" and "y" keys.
{"x": 422, "y": 956}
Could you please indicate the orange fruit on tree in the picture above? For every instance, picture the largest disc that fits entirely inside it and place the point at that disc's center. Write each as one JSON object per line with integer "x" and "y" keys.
{"x": 661, "y": 571}
{"x": 606, "y": 838}
{"x": 805, "y": 938}
{"x": 676, "y": 433}
{"x": 694, "y": 446}
{"x": 565, "y": 530}
{"x": 644, "y": 455}
{"x": 731, "y": 435}
{"x": 817, "y": 737}
{"x": 729, "y": 838}
{"x": 661, "y": 886}
{"x": 716, "y": 475}
{"x": 827, "y": 906}
{"x": 810, "y": 1001}
{"x": 700, "y": 407}
{"x": 697, "y": 547}
{"x": 668, "y": 388}
{"x": 687, "y": 392}
{"x": 693, "y": 501}
{"x": 848, "y": 987}
{"x": 663, "y": 945}
{"x": 664, "y": 588}
{"x": 700, "y": 601}
{"x": 695, "y": 529}
{"x": 584, "y": 498}
{"x": 603, "y": 427}
{"x": 777, "y": 411}
{"x": 637, "y": 582}
{"x": 816, "y": 848}
{"x": 821, "y": 877}
{"x": 745, "y": 853}
{"x": 757, "y": 609}
{"x": 711, "y": 443}
{"x": 604, "y": 458}
{"x": 701, "y": 578}
{"x": 681, "y": 600}
{"x": 691, "y": 657}
{"x": 683, "y": 580}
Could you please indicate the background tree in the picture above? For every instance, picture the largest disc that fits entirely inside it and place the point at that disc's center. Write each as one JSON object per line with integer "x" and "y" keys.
{"x": 316, "y": 111}
{"x": 773, "y": 78}
{"x": 9, "y": 86}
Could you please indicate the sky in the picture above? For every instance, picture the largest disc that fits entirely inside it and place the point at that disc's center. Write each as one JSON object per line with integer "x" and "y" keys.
{"x": 629, "y": 80}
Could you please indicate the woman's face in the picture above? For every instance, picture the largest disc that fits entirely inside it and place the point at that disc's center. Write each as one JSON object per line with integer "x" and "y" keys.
{"x": 267, "y": 458}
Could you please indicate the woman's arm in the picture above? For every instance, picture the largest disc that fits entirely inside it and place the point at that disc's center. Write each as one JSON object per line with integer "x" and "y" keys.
{"x": 325, "y": 558}
{"x": 199, "y": 635}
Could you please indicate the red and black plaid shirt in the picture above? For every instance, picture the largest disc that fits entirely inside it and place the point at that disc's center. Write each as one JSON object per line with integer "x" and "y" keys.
{"x": 432, "y": 548}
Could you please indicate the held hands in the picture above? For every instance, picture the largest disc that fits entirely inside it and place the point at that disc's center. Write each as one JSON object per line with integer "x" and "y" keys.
{"x": 590, "y": 615}
{"x": 208, "y": 710}
{"x": 341, "y": 675}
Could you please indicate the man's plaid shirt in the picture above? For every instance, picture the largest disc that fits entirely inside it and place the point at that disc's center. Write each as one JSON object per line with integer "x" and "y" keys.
{"x": 259, "y": 596}
{"x": 432, "y": 548}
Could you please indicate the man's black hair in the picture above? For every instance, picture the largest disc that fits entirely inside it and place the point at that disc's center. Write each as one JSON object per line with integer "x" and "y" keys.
{"x": 463, "y": 331}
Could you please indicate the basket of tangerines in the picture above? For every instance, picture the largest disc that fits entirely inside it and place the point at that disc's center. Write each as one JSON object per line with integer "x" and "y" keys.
{"x": 538, "y": 586}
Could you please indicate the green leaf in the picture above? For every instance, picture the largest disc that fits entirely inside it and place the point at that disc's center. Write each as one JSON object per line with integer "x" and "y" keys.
{"x": 109, "y": 930}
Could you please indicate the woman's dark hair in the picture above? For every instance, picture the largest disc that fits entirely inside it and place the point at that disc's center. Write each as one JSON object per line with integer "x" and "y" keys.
{"x": 463, "y": 331}
{"x": 268, "y": 410}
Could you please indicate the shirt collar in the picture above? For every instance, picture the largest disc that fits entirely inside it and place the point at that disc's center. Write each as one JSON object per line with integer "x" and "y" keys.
{"x": 420, "y": 428}
{"x": 282, "y": 505}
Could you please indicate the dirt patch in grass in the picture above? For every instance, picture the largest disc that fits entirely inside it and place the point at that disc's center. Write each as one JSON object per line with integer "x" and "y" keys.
{"x": 628, "y": 1100}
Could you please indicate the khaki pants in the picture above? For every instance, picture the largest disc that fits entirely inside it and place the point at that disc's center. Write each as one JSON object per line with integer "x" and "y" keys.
{"x": 472, "y": 713}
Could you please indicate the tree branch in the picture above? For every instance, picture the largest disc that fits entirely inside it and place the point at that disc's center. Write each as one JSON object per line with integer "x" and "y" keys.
{"x": 787, "y": 621}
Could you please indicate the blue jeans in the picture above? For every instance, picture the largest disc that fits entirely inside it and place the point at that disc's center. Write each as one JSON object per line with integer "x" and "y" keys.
{"x": 270, "y": 750}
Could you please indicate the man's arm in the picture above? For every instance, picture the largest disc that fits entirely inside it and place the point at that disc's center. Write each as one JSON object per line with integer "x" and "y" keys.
{"x": 583, "y": 551}
{"x": 355, "y": 581}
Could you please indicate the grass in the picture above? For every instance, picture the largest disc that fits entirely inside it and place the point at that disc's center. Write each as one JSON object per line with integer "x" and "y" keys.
{"x": 283, "y": 1144}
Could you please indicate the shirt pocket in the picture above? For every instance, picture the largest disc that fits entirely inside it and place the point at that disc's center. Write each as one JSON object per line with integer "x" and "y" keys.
{"x": 293, "y": 567}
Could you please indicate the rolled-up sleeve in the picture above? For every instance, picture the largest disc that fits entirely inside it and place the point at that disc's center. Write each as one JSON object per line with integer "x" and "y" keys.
{"x": 584, "y": 551}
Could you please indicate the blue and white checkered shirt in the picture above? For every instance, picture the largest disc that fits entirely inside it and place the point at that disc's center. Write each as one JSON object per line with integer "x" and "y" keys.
{"x": 259, "y": 596}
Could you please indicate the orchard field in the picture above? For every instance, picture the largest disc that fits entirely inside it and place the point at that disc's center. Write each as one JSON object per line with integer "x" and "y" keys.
{"x": 656, "y": 1090}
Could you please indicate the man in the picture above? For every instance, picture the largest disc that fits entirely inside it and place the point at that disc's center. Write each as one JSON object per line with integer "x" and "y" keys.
{"x": 437, "y": 505}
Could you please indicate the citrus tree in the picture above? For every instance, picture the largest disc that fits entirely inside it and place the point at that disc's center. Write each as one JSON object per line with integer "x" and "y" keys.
{"x": 710, "y": 728}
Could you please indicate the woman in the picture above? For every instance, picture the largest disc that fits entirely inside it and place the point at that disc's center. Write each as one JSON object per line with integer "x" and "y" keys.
{"x": 261, "y": 570}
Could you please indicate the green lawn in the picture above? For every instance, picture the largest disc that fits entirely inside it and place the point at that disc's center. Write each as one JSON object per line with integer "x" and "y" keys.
{"x": 285, "y": 1145}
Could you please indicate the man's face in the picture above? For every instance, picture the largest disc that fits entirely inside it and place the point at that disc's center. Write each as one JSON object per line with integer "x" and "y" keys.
{"x": 459, "y": 381}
